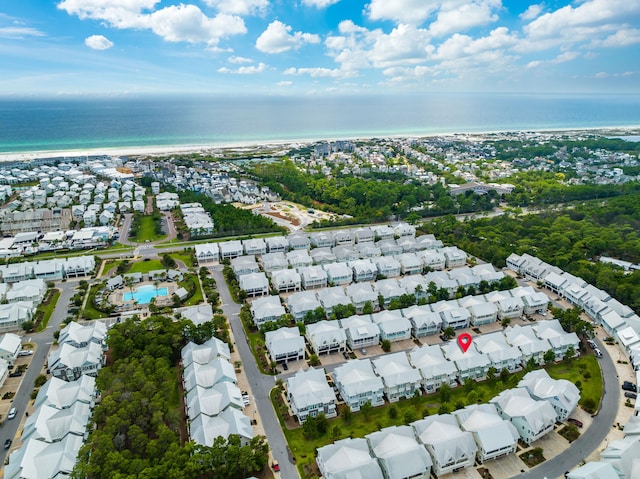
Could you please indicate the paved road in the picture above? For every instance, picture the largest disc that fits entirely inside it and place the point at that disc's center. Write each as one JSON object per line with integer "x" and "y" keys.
{"x": 43, "y": 342}
{"x": 261, "y": 384}
{"x": 591, "y": 438}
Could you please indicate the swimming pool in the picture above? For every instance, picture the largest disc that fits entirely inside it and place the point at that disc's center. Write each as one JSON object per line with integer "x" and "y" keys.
{"x": 143, "y": 294}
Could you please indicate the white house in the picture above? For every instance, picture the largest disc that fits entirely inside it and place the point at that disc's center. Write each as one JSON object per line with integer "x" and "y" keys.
{"x": 388, "y": 266}
{"x": 286, "y": 280}
{"x": 205, "y": 429}
{"x": 594, "y": 470}
{"x": 470, "y": 364}
{"x": 198, "y": 314}
{"x": 533, "y": 419}
{"x": 10, "y": 346}
{"x": 244, "y": 265}
{"x": 208, "y": 374}
{"x": 267, "y": 308}
{"x": 332, "y": 297}
{"x": 309, "y": 394}
{"x": 393, "y": 326}
{"x": 79, "y": 335}
{"x": 274, "y": 262}
{"x": 563, "y": 395}
{"x": 285, "y": 344}
{"x": 424, "y": 321}
{"x": 338, "y": 273}
{"x": 450, "y": 447}
{"x": 501, "y": 354}
{"x": 363, "y": 270}
{"x": 494, "y": 436}
{"x": 69, "y": 363}
{"x": 454, "y": 257}
{"x": 560, "y": 341}
{"x": 362, "y": 294}
{"x": 313, "y": 277}
{"x": 230, "y": 249}
{"x": 361, "y": 331}
{"x": 399, "y": 453}
{"x": 254, "y": 246}
{"x": 400, "y": 379}
{"x": 322, "y": 256}
{"x": 434, "y": 368}
{"x": 347, "y": 458}
{"x": 326, "y": 337}
{"x": 301, "y": 303}
{"x": 205, "y": 353}
{"x": 299, "y": 258}
{"x": 358, "y": 384}
{"x": 254, "y": 284}
{"x": 277, "y": 244}
{"x": 530, "y": 345}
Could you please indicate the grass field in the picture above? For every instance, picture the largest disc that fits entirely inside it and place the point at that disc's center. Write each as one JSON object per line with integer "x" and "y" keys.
{"x": 145, "y": 266}
{"x": 89, "y": 312}
{"x": 197, "y": 297}
{"x": 47, "y": 310}
{"x": 147, "y": 230}
{"x": 585, "y": 369}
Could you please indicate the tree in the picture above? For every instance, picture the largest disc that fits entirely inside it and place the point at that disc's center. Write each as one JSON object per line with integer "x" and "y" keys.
{"x": 505, "y": 322}
{"x": 367, "y": 308}
{"x": 386, "y": 345}
{"x": 445, "y": 393}
{"x": 570, "y": 353}
{"x": 27, "y": 326}
{"x": 365, "y": 409}
{"x": 314, "y": 360}
{"x": 449, "y": 332}
{"x": 549, "y": 356}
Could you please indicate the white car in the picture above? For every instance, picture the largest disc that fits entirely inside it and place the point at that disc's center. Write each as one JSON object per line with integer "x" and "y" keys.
{"x": 25, "y": 352}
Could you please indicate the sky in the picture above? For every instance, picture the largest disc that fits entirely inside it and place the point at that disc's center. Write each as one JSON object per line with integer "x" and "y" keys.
{"x": 318, "y": 47}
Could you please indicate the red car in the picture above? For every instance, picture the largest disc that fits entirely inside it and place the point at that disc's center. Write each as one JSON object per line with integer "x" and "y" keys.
{"x": 275, "y": 465}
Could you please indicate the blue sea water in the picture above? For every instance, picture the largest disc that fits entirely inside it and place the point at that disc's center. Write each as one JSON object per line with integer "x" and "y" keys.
{"x": 83, "y": 123}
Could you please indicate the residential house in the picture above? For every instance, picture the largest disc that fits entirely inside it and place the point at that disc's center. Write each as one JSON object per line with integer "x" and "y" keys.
{"x": 207, "y": 375}
{"x": 285, "y": 345}
{"x": 274, "y": 262}
{"x": 453, "y": 316}
{"x": 338, "y": 274}
{"x": 299, "y": 241}
{"x": 361, "y": 331}
{"x": 277, "y": 244}
{"x": 623, "y": 455}
{"x": 309, "y": 394}
{"x": 383, "y": 232}
{"x": 434, "y": 368}
{"x": 332, "y": 297}
{"x": 13, "y": 315}
{"x": 363, "y": 270}
{"x": 362, "y": 294}
{"x": 388, "y": 290}
{"x": 205, "y": 353}
{"x": 393, "y": 326}
{"x": 594, "y": 470}
{"x": 322, "y": 239}
{"x": 301, "y": 303}
{"x": 69, "y": 363}
{"x": 313, "y": 277}
{"x": 364, "y": 235}
{"x": 450, "y": 447}
{"x": 198, "y": 314}
{"x": 424, "y": 322}
{"x": 494, "y": 436}
{"x": 400, "y": 379}
{"x": 399, "y": 453}
{"x": 533, "y": 419}
{"x": 244, "y": 265}
{"x": 299, "y": 258}
{"x": 531, "y": 346}
{"x": 432, "y": 260}
{"x": 254, "y": 284}
{"x": 347, "y": 458}
{"x": 326, "y": 337}
{"x": 454, "y": 257}
{"x": 368, "y": 250}
{"x": 204, "y": 430}
{"x": 322, "y": 256}
{"x": 389, "y": 247}
{"x": 286, "y": 281}
{"x": 10, "y": 346}
{"x": 343, "y": 237}
{"x": 560, "y": 341}
{"x": 388, "y": 267}
{"x": 409, "y": 263}
{"x": 563, "y": 395}
{"x": 265, "y": 309}
{"x": 230, "y": 249}
{"x": 471, "y": 364}
{"x": 26, "y": 462}
{"x": 346, "y": 253}
{"x": 358, "y": 384}
{"x": 79, "y": 335}
{"x": 483, "y": 312}
{"x": 254, "y": 246}
{"x": 501, "y": 354}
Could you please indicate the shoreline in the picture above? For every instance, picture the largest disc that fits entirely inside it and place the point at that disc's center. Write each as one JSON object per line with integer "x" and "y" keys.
{"x": 164, "y": 150}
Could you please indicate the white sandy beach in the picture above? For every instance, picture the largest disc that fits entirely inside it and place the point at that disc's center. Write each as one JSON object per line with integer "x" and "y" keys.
{"x": 165, "y": 150}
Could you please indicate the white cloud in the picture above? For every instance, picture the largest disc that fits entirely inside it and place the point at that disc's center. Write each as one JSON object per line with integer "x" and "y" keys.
{"x": 277, "y": 38}
{"x": 532, "y": 12}
{"x": 465, "y": 16}
{"x": 319, "y": 72}
{"x": 284, "y": 83}
{"x": 175, "y": 23}
{"x": 98, "y": 42}
{"x": 239, "y": 7}
{"x": 187, "y": 23}
{"x": 236, "y": 60}
{"x": 561, "y": 58}
{"x": 117, "y": 13}
{"x": 621, "y": 38}
{"x": 404, "y": 11}
{"x": 319, "y": 3}
{"x": 19, "y": 32}
{"x": 246, "y": 70}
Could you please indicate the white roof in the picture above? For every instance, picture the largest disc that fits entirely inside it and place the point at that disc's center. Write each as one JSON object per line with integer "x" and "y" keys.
{"x": 283, "y": 341}
{"x": 198, "y": 314}
{"x": 38, "y": 459}
{"x": 518, "y": 403}
{"x": 399, "y": 452}
{"x": 495, "y": 346}
{"x": 525, "y": 339}
{"x": 11, "y": 343}
{"x": 77, "y": 333}
{"x": 326, "y": 332}
{"x": 448, "y": 442}
{"x": 73, "y": 357}
{"x": 206, "y": 352}
{"x": 395, "y": 369}
{"x": 208, "y": 375}
{"x": 431, "y": 362}
{"x": 50, "y": 424}
{"x": 491, "y": 432}
{"x": 357, "y": 377}
{"x": 348, "y": 459}
{"x": 472, "y": 359}
{"x": 594, "y": 470}
{"x": 213, "y": 401}
{"x": 310, "y": 387}
{"x": 541, "y": 386}
{"x": 266, "y": 307}
{"x": 205, "y": 429}
{"x": 62, "y": 394}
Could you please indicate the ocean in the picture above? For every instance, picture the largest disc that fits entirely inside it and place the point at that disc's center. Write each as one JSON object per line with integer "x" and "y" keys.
{"x": 29, "y": 125}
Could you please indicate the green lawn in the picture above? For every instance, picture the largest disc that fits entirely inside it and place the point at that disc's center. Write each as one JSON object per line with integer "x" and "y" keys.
{"x": 406, "y": 411}
{"x": 145, "y": 266}
{"x": 147, "y": 230}
{"x": 186, "y": 258}
{"x": 47, "y": 310}
{"x": 89, "y": 312}
{"x": 197, "y": 297}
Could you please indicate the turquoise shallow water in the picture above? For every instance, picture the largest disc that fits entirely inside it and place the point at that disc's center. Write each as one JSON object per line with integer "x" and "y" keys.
{"x": 72, "y": 124}
{"x": 144, "y": 294}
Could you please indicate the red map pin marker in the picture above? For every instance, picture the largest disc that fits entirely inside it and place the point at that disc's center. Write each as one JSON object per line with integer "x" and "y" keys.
{"x": 464, "y": 341}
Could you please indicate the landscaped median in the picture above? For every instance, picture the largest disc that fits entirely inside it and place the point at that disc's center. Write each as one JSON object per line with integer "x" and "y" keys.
{"x": 303, "y": 441}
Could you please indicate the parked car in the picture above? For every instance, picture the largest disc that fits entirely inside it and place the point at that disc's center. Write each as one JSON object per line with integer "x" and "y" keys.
{"x": 345, "y": 354}
{"x": 275, "y": 465}
{"x": 363, "y": 351}
{"x": 630, "y": 395}
{"x": 591, "y": 343}
{"x": 285, "y": 366}
{"x": 15, "y": 374}
{"x": 7, "y": 443}
{"x": 12, "y": 413}
{"x": 629, "y": 386}
{"x": 575, "y": 421}
{"x": 597, "y": 352}
{"x": 25, "y": 352}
